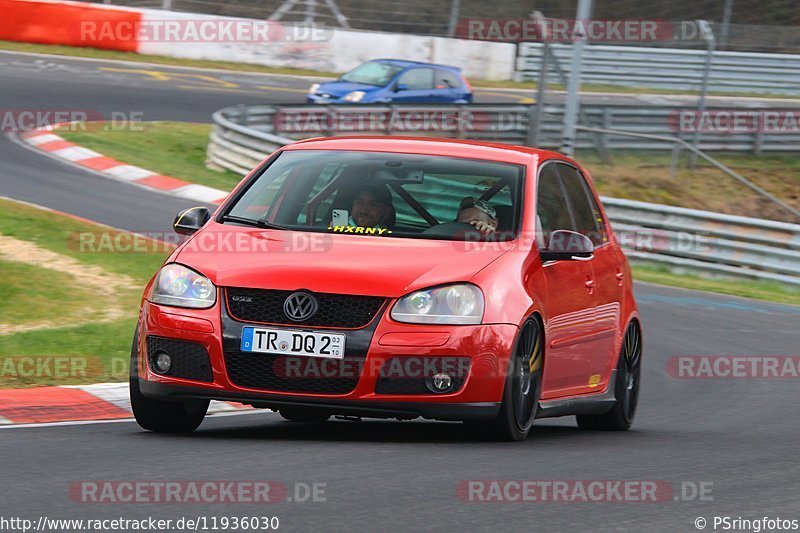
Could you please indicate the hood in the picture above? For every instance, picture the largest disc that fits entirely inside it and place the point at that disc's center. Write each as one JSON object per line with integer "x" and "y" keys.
{"x": 236, "y": 256}
{"x": 338, "y": 89}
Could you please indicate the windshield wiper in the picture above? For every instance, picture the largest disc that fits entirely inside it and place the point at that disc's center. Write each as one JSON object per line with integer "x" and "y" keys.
{"x": 258, "y": 223}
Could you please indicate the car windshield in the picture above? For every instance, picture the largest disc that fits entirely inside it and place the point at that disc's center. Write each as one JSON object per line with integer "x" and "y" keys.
{"x": 384, "y": 194}
{"x": 372, "y": 73}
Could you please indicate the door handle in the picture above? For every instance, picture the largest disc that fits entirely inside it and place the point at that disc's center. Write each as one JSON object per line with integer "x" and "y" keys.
{"x": 620, "y": 276}
{"x": 589, "y": 285}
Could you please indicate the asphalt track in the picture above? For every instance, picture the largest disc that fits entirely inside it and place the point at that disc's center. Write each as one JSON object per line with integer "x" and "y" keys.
{"x": 739, "y": 434}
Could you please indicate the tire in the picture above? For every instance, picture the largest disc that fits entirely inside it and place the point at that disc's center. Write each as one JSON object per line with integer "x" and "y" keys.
{"x": 303, "y": 415}
{"x": 162, "y": 416}
{"x": 626, "y": 387}
{"x": 522, "y": 389}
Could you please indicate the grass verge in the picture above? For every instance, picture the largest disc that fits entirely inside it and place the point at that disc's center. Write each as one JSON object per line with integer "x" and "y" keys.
{"x": 106, "y": 345}
{"x": 761, "y": 290}
{"x": 176, "y": 149}
{"x": 39, "y": 294}
{"x": 646, "y": 177}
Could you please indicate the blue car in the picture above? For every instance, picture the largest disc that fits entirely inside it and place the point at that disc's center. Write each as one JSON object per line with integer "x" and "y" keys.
{"x": 384, "y": 81}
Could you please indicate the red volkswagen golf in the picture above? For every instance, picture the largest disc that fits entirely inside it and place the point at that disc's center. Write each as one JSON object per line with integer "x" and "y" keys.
{"x": 395, "y": 278}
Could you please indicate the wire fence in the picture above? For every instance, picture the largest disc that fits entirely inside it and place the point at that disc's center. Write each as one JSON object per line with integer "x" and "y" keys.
{"x": 752, "y": 25}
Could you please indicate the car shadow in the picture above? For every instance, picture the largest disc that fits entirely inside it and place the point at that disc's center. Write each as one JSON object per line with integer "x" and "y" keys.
{"x": 371, "y": 430}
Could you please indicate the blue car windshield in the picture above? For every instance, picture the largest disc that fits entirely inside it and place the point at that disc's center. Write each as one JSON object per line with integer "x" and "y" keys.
{"x": 372, "y": 73}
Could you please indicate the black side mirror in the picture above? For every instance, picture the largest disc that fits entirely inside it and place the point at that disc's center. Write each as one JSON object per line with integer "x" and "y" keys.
{"x": 567, "y": 245}
{"x": 190, "y": 220}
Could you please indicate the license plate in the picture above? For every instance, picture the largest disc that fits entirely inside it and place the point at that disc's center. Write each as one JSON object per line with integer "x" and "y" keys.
{"x": 288, "y": 342}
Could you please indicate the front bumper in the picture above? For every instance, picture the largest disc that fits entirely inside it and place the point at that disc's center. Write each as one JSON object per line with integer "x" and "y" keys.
{"x": 486, "y": 347}
{"x": 367, "y": 409}
{"x": 316, "y": 99}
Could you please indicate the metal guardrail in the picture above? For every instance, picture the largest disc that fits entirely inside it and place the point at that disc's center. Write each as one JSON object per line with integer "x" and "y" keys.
{"x": 707, "y": 242}
{"x": 671, "y": 68}
{"x": 702, "y": 241}
{"x": 237, "y": 143}
{"x": 510, "y": 123}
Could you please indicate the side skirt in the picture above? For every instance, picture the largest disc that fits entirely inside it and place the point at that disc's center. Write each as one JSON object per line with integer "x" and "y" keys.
{"x": 595, "y": 404}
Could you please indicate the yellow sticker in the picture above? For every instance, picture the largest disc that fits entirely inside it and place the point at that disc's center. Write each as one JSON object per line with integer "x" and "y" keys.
{"x": 360, "y": 229}
{"x": 594, "y": 380}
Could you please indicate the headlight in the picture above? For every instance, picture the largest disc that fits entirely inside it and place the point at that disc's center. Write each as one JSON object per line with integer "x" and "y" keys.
{"x": 453, "y": 304}
{"x": 354, "y": 96}
{"x": 313, "y": 88}
{"x": 182, "y": 287}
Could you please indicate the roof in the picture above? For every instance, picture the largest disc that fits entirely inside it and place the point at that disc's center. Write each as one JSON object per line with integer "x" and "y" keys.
{"x": 410, "y": 63}
{"x": 430, "y": 145}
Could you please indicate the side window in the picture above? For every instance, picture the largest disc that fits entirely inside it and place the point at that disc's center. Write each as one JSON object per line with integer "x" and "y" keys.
{"x": 585, "y": 212}
{"x": 552, "y": 211}
{"x": 447, "y": 80}
{"x": 417, "y": 79}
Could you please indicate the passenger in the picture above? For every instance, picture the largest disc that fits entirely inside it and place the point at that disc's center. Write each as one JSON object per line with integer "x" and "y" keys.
{"x": 479, "y": 214}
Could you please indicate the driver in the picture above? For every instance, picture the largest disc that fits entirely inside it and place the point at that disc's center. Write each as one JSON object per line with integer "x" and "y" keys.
{"x": 372, "y": 207}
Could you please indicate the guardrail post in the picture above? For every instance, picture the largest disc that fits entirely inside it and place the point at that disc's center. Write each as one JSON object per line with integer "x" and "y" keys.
{"x": 455, "y": 7}
{"x": 673, "y": 165}
{"x": 607, "y": 118}
{"x": 536, "y": 113}
{"x": 574, "y": 83}
{"x": 330, "y": 112}
{"x": 708, "y": 35}
{"x": 758, "y": 141}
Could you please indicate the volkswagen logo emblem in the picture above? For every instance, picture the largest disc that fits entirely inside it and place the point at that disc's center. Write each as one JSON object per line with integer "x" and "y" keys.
{"x": 300, "y": 306}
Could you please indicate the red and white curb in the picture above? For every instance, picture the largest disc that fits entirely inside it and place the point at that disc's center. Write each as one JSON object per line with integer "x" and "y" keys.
{"x": 103, "y": 401}
{"x": 45, "y": 140}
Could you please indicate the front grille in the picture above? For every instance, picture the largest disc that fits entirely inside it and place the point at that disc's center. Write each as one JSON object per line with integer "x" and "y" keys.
{"x": 189, "y": 360}
{"x": 313, "y": 375}
{"x": 407, "y": 375}
{"x": 335, "y": 310}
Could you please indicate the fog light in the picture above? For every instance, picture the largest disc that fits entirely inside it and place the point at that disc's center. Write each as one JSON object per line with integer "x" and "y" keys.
{"x": 440, "y": 382}
{"x": 163, "y": 362}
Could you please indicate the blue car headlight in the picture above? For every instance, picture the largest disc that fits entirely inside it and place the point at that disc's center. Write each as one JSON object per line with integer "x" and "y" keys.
{"x": 458, "y": 304}
{"x": 179, "y": 286}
